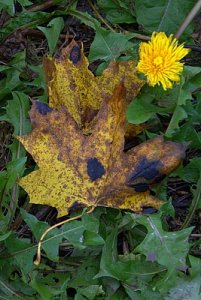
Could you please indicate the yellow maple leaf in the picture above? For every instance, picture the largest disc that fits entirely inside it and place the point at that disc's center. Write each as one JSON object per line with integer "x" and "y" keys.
{"x": 93, "y": 170}
{"x": 72, "y": 85}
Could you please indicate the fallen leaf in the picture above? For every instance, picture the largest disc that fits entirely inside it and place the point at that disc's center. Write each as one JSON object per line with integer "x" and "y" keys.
{"x": 93, "y": 169}
{"x": 72, "y": 85}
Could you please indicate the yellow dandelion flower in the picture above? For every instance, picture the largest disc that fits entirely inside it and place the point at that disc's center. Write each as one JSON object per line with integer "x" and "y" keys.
{"x": 160, "y": 59}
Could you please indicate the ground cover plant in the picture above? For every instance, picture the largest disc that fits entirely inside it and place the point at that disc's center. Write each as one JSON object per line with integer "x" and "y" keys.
{"x": 100, "y": 143}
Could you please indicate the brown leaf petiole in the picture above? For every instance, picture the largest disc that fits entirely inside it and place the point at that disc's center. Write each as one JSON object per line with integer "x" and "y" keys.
{"x": 38, "y": 258}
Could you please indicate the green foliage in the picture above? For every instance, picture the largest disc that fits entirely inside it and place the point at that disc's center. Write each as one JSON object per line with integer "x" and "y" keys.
{"x": 163, "y": 15}
{"x": 102, "y": 260}
{"x": 176, "y": 101}
{"x": 168, "y": 249}
{"x": 24, "y": 20}
{"x": 52, "y": 32}
{"x": 108, "y": 254}
{"x": 106, "y": 45}
{"x": 17, "y": 113}
{"x": 7, "y": 6}
{"x": 118, "y": 11}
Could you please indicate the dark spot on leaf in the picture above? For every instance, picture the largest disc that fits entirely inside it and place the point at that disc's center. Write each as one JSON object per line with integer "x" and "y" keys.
{"x": 148, "y": 169}
{"x": 149, "y": 210}
{"x": 74, "y": 206}
{"x": 59, "y": 157}
{"x": 159, "y": 178}
{"x": 43, "y": 108}
{"x": 75, "y": 54}
{"x": 95, "y": 169}
{"x": 140, "y": 187}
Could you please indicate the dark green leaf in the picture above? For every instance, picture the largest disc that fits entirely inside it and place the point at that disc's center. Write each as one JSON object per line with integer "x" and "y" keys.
{"x": 23, "y": 261}
{"x": 163, "y": 15}
{"x": 8, "y": 5}
{"x": 118, "y": 11}
{"x": 109, "y": 45}
{"x": 17, "y": 113}
{"x": 167, "y": 248}
{"x": 52, "y": 240}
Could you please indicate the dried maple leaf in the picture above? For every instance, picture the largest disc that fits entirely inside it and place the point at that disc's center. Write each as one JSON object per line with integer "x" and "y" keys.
{"x": 93, "y": 170}
{"x": 71, "y": 83}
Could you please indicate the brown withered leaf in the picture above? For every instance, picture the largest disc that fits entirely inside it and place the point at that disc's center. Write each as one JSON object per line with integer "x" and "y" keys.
{"x": 93, "y": 170}
{"x": 71, "y": 84}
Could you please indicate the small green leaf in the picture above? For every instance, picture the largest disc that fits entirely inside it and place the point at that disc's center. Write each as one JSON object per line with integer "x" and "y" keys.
{"x": 91, "y": 292}
{"x": 52, "y": 32}
{"x": 17, "y": 113}
{"x": 178, "y": 115}
{"x": 90, "y": 222}
{"x": 41, "y": 288}
{"x": 8, "y": 5}
{"x": 25, "y": 262}
{"x": 140, "y": 110}
{"x": 93, "y": 239}
{"x": 109, "y": 45}
{"x": 5, "y": 236}
{"x": 191, "y": 172}
{"x": 73, "y": 232}
{"x": 51, "y": 247}
{"x": 15, "y": 169}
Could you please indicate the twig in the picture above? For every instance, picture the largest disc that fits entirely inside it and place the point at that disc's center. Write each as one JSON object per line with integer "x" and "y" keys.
{"x": 188, "y": 19}
{"x": 42, "y": 6}
{"x": 197, "y": 235}
{"x": 38, "y": 258}
{"x": 142, "y": 37}
{"x": 100, "y": 17}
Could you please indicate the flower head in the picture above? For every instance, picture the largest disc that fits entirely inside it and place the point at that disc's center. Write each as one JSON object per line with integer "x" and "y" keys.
{"x": 160, "y": 59}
